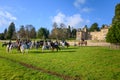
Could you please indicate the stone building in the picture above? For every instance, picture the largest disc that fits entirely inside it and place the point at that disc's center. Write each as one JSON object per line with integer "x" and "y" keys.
{"x": 96, "y": 35}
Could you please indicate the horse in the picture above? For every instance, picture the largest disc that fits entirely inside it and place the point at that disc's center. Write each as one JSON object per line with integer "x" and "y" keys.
{"x": 9, "y": 47}
{"x": 4, "y": 44}
{"x": 54, "y": 45}
{"x": 67, "y": 44}
{"x": 50, "y": 45}
{"x": 81, "y": 43}
{"x": 46, "y": 45}
{"x": 64, "y": 43}
{"x": 24, "y": 48}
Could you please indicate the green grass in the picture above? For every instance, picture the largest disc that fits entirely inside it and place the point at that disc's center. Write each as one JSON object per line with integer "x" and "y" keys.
{"x": 14, "y": 71}
{"x": 85, "y": 63}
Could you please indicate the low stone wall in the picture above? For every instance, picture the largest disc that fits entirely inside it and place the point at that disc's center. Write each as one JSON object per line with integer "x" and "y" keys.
{"x": 115, "y": 46}
{"x": 90, "y": 43}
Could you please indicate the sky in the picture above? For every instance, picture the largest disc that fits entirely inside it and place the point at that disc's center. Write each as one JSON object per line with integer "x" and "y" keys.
{"x": 43, "y": 13}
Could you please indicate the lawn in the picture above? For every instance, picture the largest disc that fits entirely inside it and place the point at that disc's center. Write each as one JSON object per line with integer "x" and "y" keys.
{"x": 74, "y": 63}
{"x": 14, "y": 71}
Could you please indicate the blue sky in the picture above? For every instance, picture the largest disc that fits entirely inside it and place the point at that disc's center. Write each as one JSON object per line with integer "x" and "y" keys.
{"x": 42, "y": 13}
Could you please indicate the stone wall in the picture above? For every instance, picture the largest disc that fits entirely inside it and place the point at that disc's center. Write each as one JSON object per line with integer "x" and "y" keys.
{"x": 96, "y": 35}
{"x": 100, "y": 35}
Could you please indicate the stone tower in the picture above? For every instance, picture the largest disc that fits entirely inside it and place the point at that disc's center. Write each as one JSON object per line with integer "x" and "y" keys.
{"x": 82, "y": 34}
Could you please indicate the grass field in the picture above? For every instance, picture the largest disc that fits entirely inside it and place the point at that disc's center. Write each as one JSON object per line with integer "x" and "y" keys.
{"x": 74, "y": 63}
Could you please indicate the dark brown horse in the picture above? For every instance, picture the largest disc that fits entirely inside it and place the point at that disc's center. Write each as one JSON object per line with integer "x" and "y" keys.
{"x": 54, "y": 46}
{"x": 81, "y": 43}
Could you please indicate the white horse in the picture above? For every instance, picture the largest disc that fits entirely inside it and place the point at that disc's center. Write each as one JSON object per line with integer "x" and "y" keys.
{"x": 9, "y": 47}
{"x": 24, "y": 48}
{"x": 46, "y": 46}
{"x": 62, "y": 44}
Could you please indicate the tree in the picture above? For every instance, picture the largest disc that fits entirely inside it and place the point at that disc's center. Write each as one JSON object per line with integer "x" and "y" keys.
{"x": 5, "y": 33}
{"x": 74, "y": 33}
{"x": 62, "y": 25}
{"x": 63, "y": 34}
{"x": 59, "y": 32}
{"x": 21, "y": 32}
{"x": 33, "y": 31}
{"x": 103, "y": 26}
{"x": 113, "y": 35}
{"x": 94, "y": 27}
{"x": 55, "y": 25}
{"x": 27, "y": 32}
{"x": 54, "y": 32}
{"x": 69, "y": 33}
{"x": 116, "y": 18}
{"x": 43, "y": 33}
{"x": 1, "y": 36}
{"x": 11, "y": 31}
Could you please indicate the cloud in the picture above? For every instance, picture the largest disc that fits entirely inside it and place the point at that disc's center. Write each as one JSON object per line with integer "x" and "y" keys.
{"x": 6, "y": 18}
{"x": 9, "y": 16}
{"x": 59, "y": 18}
{"x": 86, "y": 9}
{"x": 74, "y": 20}
{"x": 77, "y": 3}
{"x": 80, "y": 4}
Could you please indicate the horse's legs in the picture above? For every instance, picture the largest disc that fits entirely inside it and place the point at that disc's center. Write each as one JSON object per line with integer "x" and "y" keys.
{"x": 81, "y": 44}
{"x": 53, "y": 49}
{"x": 42, "y": 48}
{"x": 58, "y": 48}
{"x": 7, "y": 49}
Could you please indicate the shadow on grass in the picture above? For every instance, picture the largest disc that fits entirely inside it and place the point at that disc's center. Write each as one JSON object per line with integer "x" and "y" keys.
{"x": 35, "y": 51}
{"x": 68, "y": 51}
{"x": 49, "y": 51}
{"x": 69, "y": 48}
{"x": 39, "y": 51}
